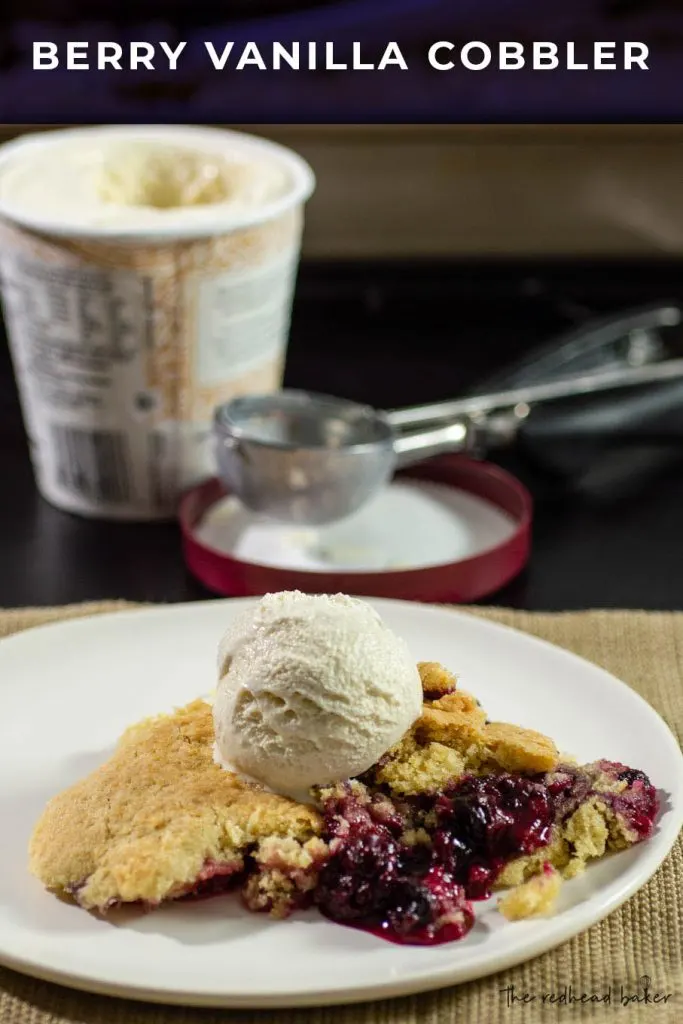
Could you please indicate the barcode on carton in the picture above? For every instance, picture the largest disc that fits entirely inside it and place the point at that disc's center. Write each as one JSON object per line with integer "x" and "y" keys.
{"x": 93, "y": 464}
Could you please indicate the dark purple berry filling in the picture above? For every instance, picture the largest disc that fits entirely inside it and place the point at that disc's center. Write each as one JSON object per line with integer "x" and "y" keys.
{"x": 375, "y": 881}
{"x": 420, "y": 892}
{"x": 638, "y": 804}
{"x": 483, "y": 823}
{"x": 431, "y": 695}
{"x": 216, "y": 877}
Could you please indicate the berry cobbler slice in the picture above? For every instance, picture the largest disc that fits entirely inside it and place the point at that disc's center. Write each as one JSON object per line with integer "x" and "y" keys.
{"x": 460, "y": 808}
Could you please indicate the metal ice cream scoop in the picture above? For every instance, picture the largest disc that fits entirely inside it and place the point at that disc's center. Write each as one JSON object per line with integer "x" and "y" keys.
{"x": 311, "y": 459}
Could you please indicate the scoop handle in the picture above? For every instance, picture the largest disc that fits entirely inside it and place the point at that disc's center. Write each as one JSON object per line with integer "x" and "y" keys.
{"x": 458, "y": 436}
{"x": 566, "y": 437}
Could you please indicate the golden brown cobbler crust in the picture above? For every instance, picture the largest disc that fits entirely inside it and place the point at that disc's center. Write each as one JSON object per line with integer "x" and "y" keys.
{"x": 453, "y": 736}
{"x": 142, "y": 826}
{"x": 533, "y": 898}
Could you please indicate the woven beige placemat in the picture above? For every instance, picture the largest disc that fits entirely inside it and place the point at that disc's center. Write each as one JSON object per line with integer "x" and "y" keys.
{"x": 642, "y": 939}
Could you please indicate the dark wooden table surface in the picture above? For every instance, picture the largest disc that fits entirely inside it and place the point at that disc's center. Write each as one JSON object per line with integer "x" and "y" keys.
{"x": 391, "y": 336}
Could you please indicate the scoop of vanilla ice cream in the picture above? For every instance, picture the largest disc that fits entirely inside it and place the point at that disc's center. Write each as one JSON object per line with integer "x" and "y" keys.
{"x": 312, "y": 689}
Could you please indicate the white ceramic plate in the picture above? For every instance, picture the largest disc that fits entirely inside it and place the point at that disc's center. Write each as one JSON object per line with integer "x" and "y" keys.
{"x": 68, "y": 690}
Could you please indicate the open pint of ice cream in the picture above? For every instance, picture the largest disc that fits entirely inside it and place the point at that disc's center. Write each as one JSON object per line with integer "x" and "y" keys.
{"x": 147, "y": 275}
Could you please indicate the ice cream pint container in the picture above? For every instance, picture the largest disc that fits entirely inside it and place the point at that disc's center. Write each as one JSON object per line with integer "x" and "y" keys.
{"x": 147, "y": 275}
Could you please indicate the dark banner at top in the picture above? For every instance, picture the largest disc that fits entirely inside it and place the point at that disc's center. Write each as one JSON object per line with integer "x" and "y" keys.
{"x": 341, "y": 60}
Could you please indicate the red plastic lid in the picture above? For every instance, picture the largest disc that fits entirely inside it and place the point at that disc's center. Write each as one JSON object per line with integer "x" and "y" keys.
{"x": 449, "y": 530}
